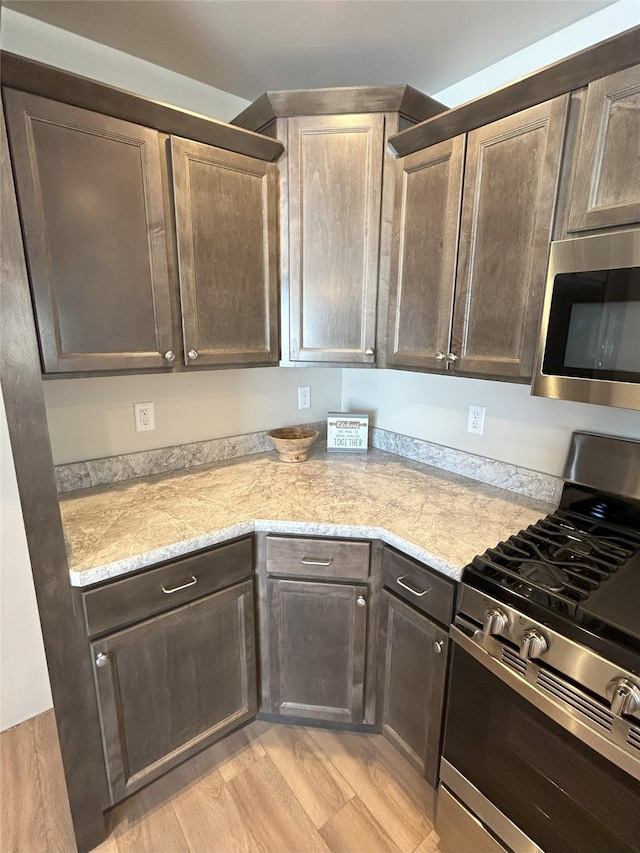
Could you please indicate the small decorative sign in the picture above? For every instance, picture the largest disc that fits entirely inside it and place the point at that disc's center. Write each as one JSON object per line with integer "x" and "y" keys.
{"x": 346, "y": 431}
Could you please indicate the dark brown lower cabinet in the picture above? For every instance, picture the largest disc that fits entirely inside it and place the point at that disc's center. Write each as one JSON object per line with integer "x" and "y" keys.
{"x": 317, "y": 644}
{"x": 171, "y": 685}
{"x": 414, "y": 656}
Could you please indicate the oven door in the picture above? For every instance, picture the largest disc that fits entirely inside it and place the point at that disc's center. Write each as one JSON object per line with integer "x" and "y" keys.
{"x": 529, "y": 781}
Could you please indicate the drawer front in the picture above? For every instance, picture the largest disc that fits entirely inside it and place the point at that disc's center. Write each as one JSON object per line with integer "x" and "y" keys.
{"x": 318, "y": 558}
{"x": 429, "y": 592}
{"x": 168, "y": 586}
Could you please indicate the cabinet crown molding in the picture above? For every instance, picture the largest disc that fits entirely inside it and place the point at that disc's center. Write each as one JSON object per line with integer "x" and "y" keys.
{"x": 403, "y": 99}
{"x": 27, "y": 75}
{"x": 607, "y": 57}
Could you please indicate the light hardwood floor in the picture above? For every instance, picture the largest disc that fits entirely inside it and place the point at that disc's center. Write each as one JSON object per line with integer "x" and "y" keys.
{"x": 267, "y": 788}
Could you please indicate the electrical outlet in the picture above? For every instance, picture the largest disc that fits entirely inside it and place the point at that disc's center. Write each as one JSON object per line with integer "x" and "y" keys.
{"x": 475, "y": 422}
{"x": 145, "y": 419}
{"x": 304, "y": 397}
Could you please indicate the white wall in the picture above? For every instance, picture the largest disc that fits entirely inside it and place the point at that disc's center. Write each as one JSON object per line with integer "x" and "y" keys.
{"x": 91, "y": 418}
{"x": 24, "y": 682}
{"x": 528, "y": 431}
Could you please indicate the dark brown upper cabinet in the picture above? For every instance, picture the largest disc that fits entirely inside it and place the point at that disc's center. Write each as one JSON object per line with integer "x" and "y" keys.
{"x": 424, "y": 254}
{"x": 226, "y": 222}
{"x": 470, "y": 256}
{"x": 606, "y": 178}
{"x": 336, "y": 191}
{"x": 90, "y": 190}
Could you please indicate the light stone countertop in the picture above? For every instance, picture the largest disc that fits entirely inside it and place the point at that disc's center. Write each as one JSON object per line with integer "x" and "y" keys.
{"x": 440, "y": 518}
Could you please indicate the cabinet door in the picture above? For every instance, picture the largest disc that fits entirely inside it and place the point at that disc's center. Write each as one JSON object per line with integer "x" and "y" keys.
{"x": 226, "y": 220}
{"x": 415, "y": 656}
{"x": 172, "y": 685}
{"x": 606, "y": 188}
{"x": 425, "y": 240}
{"x": 317, "y": 639}
{"x": 91, "y": 199}
{"x": 508, "y": 204}
{"x": 335, "y": 178}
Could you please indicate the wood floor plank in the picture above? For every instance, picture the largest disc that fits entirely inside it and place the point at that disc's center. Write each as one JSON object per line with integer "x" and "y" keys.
{"x": 22, "y": 825}
{"x": 147, "y": 822}
{"x": 430, "y": 844}
{"x": 422, "y": 790}
{"x": 354, "y": 830}
{"x": 271, "y": 813}
{"x": 316, "y": 783}
{"x": 234, "y": 753}
{"x": 55, "y": 800}
{"x": 381, "y": 788}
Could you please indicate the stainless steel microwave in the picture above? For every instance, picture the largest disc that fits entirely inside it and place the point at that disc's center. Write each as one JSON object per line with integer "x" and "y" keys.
{"x": 589, "y": 348}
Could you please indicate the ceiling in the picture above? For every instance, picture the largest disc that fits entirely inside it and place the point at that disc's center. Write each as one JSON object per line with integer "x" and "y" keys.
{"x": 247, "y": 47}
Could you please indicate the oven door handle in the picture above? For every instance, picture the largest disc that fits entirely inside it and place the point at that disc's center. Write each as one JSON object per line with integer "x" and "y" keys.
{"x": 572, "y": 723}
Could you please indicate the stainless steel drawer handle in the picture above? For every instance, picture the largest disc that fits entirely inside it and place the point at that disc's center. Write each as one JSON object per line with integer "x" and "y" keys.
{"x": 193, "y": 580}
{"x": 309, "y": 561}
{"x": 410, "y": 589}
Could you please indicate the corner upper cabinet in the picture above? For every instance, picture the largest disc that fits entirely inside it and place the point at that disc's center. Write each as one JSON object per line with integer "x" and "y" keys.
{"x": 477, "y": 246}
{"x": 90, "y": 191}
{"x": 336, "y": 202}
{"x": 606, "y": 182}
{"x": 226, "y": 223}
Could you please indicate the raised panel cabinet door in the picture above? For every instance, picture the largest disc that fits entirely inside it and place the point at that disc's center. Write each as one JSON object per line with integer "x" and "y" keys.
{"x": 335, "y": 183}
{"x": 415, "y": 658}
{"x": 606, "y": 187}
{"x": 90, "y": 191}
{"x": 509, "y": 193}
{"x": 423, "y": 264}
{"x": 172, "y": 685}
{"x": 226, "y": 221}
{"x": 317, "y": 639}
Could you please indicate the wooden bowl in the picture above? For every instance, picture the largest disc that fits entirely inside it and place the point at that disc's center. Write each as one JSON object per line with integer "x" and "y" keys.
{"x": 293, "y": 443}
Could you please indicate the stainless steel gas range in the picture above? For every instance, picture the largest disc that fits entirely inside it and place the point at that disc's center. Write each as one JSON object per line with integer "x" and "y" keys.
{"x": 542, "y": 738}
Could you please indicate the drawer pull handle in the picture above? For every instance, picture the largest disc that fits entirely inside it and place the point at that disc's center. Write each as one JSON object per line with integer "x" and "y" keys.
{"x": 309, "y": 561}
{"x": 410, "y": 589}
{"x": 184, "y": 586}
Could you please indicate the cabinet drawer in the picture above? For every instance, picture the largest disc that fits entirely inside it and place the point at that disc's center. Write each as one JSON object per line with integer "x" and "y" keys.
{"x": 318, "y": 558}
{"x": 168, "y": 586}
{"x": 429, "y": 592}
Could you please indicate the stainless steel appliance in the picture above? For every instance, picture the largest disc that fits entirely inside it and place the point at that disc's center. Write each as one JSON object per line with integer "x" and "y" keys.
{"x": 589, "y": 347}
{"x": 542, "y": 738}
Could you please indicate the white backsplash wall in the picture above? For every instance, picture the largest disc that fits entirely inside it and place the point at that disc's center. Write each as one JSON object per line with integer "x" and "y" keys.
{"x": 92, "y": 418}
{"x": 531, "y": 432}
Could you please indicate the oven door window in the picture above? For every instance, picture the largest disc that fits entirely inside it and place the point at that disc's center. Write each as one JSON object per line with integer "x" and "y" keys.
{"x": 594, "y": 326}
{"x": 558, "y": 791}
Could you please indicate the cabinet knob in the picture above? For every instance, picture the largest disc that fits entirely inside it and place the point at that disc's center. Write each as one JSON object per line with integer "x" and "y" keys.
{"x": 440, "y": 356}
{"x": 192, "y": 354}
{"x": 170, "y": 355}
{"x": 369, "y": 351}
{"x": 102, "y": 659}
{"x": 451, "y": 357}
{"x": 438, "y": 646}
{"x": 361, "y": 601}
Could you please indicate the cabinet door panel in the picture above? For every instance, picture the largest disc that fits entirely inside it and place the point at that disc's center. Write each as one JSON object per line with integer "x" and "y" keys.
{"x": 90, "y": 192}
{"x": 427, "y": 219}
{"x": 335, "y": 178}
{"x": 317, "y": 650}
{"x": 226, "y": 219}
{"x": 606, "y": 189}
{"x": 507, "y": 217}
{"x": 173, "y": 684}
{"x": 414, "y": 682}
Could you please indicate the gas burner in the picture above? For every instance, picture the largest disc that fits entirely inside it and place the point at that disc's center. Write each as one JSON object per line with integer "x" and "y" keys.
{"x": 544, "y": 575}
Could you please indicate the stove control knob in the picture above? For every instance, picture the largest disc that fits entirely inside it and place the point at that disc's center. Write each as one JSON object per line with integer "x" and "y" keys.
{"x": 624, "y": 696}
{"x": 495, "y": 621}
{"x": 532, "y": 644}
